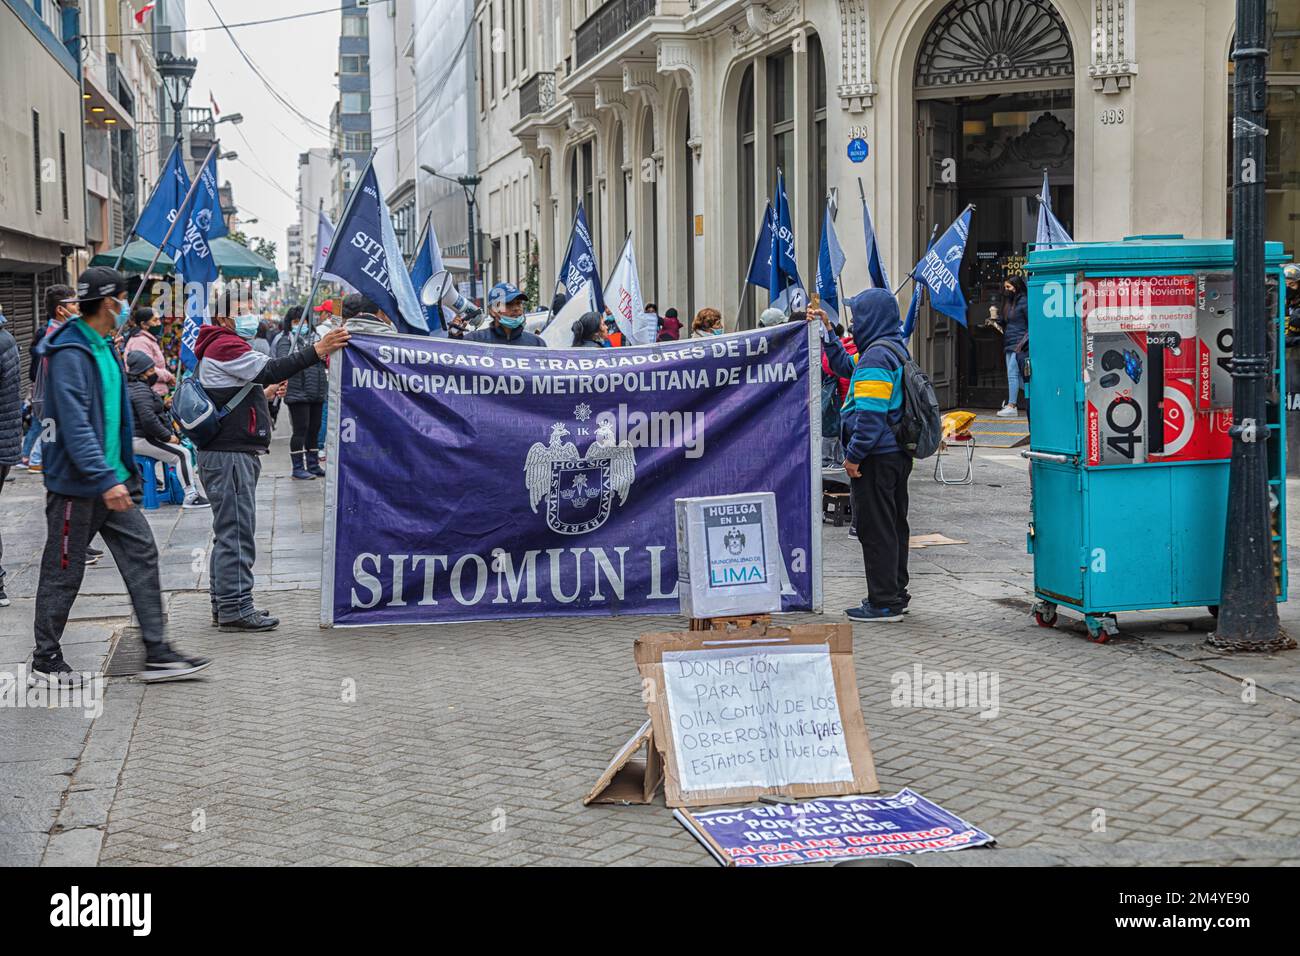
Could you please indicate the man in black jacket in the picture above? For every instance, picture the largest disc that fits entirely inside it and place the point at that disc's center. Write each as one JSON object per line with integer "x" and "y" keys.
{"x": 229, "y": 368}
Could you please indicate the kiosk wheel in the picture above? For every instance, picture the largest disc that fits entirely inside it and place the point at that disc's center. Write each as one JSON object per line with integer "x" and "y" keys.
{"x": 1045, "y": 614}
{"x": 1101, "y": 628}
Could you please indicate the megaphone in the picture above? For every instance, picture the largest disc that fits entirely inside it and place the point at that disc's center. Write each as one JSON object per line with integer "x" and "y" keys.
{"x": 441, "y": 290}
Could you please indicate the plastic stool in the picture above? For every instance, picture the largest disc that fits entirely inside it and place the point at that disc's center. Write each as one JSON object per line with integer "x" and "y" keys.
{"x": 175, "y": 493}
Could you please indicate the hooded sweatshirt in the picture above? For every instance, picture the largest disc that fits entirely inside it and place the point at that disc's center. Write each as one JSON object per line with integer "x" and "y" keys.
{"x": 226, "y": 363}
{"x": 874, "y": 403}
{"x": 672, "y": 329}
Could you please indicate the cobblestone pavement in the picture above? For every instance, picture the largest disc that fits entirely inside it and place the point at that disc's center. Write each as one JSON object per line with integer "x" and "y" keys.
{"x": 475, "y": 743}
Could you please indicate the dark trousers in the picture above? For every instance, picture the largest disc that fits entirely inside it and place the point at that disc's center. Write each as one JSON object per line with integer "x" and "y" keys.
{"x": 880, "y": 516}
{"x": 306, "y": 425}
{"x": 70, "y": 524}
{"x": 4, "y": 476}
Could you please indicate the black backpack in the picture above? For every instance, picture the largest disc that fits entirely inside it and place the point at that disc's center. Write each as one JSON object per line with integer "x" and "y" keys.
{"x": 920, "y": 430}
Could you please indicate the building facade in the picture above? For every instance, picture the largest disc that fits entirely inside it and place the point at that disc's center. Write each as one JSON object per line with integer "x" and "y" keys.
{"x": 350, "y": 118}
{"x": 315, "y": 192}
{"x": 42, "y": 178}
{"x": 392, "y": 119}
{"x": 670, "y": 118}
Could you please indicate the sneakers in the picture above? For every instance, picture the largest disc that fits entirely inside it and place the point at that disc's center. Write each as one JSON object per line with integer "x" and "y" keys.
{"x": 263, "y": 622}
{"x": 4, "y": 598}
{"x": 53, "y": 675}
{"x": 257, "y": 612}
{"x": 93, "y": 556}
{"x": 1008, "y": 411}
{"x": 196, "y": 501}
{"x": 871, "y": 613}
{"x": 35, "y": 469}
{"x": 166, "y": 664}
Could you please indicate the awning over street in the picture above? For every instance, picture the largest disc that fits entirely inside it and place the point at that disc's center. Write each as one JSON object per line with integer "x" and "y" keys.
{"x": 233, "y": 260}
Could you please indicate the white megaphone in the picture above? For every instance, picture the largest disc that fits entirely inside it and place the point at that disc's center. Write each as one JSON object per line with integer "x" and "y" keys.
{"x": 441, "y": 290}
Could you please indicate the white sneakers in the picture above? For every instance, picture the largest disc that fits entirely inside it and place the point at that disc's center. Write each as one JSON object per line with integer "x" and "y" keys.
{"x": 1008, "y": 411}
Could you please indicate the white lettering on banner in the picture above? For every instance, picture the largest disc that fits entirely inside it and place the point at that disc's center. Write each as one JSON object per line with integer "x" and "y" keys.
{"x": 374, "y": 251}
{"x": 755, "y": 717}
{"x": 597, "y": 575}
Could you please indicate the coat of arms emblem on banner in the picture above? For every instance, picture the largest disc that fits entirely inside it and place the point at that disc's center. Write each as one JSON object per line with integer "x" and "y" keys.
{"x": 579, "y": 490}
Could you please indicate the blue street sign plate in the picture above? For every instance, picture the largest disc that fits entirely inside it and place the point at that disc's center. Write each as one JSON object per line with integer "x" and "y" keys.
{"x": 858, "y": 150}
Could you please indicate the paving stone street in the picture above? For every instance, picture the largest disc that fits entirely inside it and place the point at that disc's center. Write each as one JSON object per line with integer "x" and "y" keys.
{"x": 475, "y": 743}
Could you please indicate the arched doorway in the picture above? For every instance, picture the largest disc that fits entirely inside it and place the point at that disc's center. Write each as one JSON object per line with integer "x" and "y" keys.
{"x": 994, "y": 87}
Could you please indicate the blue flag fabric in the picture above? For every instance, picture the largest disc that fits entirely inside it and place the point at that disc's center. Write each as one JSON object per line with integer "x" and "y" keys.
{"x": 1050, "y": 231}
{"x": 428, "y": 260}
{"x": 939, "y": 270}
{"x": 875, "y": 265}
{"x": 579, "y": 264}
{"x": 365, "y": 255}
{"x": 909, "y": 321}
{"x": 164, "y": 204}
{"x": 760, "y": 263}
{"x": 784, "y": 287}
{"x": 830, "y": 263}
{"x": 203, "y": 222}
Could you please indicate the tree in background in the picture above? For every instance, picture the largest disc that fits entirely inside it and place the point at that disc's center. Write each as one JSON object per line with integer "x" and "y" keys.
{"x": 532, "y": 277}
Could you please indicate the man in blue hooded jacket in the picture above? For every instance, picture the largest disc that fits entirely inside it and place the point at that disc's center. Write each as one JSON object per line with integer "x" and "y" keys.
{"x": 877, "y": 466}
{"x": 92, "y": 486}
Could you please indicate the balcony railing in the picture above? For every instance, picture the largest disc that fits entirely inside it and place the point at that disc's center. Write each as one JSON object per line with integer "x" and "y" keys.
{"x": 537, "y": 95}
{"x": 602, "y": 29}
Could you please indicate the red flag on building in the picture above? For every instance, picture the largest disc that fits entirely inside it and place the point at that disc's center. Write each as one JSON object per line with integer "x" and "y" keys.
{"x": 142, "y": 13}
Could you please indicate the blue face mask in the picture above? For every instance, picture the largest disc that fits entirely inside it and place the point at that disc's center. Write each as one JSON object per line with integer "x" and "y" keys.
{"x": 123, "y": 313}
{"x": 246, "y": 326}
{"x": 511, "y": 322}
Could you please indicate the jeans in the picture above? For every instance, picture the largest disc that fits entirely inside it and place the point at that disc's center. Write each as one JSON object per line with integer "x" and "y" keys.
{"x": 30, "y": 445}
{"x": 880, "y": 505}
{"x": 324, "y": 421}
{"x": 1015, "y": 376}
{"x": 70, "y": 524}
{"x": 177, "y": 456}
{"x": 230, "y": 478}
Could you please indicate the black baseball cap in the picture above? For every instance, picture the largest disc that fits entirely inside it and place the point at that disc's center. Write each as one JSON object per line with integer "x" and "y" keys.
{"x": 97, "y": 282}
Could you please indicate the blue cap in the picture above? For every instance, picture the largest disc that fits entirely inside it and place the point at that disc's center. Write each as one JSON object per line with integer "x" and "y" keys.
{"x": 503, "y": 293}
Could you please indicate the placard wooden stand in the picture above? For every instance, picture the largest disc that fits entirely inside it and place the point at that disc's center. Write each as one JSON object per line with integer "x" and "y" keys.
{"x": 734, "y": 623}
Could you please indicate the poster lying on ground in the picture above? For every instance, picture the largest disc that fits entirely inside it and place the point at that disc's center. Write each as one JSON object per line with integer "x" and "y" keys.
{"x": 834, "y": 828}
{"x": 474, "y": 482}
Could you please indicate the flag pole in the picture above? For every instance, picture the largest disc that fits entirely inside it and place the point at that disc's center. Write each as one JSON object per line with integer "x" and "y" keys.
{"x": 310, "y": 316}
{"x": 181, "y": 213}
{"x": 140, "y": 215}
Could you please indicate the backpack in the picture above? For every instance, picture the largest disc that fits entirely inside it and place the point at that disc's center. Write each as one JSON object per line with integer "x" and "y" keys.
{"x": 196, "y": 413}
{"x": 920, "y": 430}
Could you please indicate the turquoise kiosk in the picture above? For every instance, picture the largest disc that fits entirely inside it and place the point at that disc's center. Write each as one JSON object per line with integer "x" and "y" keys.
{"x": 1131, "y": 402}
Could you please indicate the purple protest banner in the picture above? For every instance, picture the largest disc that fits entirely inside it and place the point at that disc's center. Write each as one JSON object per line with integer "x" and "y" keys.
{"x": 474, "y": 482}
{"x": 833, "y": 828}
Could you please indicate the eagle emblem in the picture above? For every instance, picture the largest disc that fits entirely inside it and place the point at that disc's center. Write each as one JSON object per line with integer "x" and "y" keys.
{"x": 578, "y": 490}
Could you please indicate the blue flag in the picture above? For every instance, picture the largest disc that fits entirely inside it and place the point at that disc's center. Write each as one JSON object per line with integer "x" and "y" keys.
{"x": 1050, "y": 231}
{"x": 760, "y": 263}
{"x": 875, "y": 265}
{"x": 428, "y": 260}
{"x": 163, "y": 205}
{"x": 830, "y": 263}
{"x": 203, "y": 222}
{"x": 365, "y": 255}
{"x": 579, "y": 263}
{"x": 784, "y": 287}
{"x": 909, "y": 322}
{"x": 939, "y": 270}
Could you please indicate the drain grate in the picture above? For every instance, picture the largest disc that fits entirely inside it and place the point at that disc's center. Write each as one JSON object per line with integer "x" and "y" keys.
{"x": 127, "y": 657}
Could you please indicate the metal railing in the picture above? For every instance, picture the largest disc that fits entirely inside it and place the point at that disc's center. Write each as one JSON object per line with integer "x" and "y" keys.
{"x": 537, "y": 94}
{"x": 603, "y": 28}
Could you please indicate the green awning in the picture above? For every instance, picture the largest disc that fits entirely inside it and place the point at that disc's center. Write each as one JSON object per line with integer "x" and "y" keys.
{"x": 233, "y": 260}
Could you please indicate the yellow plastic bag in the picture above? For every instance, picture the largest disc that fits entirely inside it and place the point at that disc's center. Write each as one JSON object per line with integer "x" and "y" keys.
{"x": 957, "y": 423}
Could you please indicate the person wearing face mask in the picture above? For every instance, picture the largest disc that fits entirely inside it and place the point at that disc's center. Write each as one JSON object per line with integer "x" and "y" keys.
{"x": 230, "y": 370}
{"x": 305, "y": 395}
{"x": 58, "y": 309}
{"x": 1015, "y": 342}
{"x": 147, "y": 328}
{"x": 92, "y": 485}
{"x": 707, "y": 322}
{"x": 590, "y": 331}
{"x": 152, "y": 432}
{"x": 506, "y": 309}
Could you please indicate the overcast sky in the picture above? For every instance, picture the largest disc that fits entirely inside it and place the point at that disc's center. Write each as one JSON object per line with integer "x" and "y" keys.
{"x": 298, "y": 58}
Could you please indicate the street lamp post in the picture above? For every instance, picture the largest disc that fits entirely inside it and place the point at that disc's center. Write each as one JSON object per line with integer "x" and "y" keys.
{"x": 470, "y": 185}
{"x": 177, "y": 73}
{"x": 1248, "y": 604}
